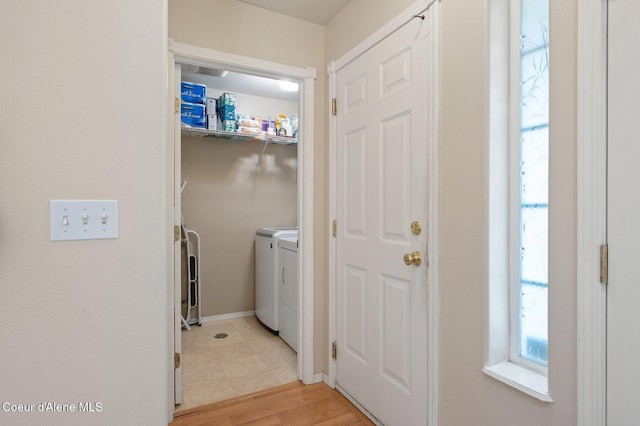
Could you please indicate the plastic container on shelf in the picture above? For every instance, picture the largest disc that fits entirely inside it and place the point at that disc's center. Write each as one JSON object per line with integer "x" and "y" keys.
{"x": 193, "y": 93}
{"x": 193, "y": 115}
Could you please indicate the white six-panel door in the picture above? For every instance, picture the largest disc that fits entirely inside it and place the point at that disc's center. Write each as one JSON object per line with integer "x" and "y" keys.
{"x": 381, "y": 189}
{"x": 623, "y": 205}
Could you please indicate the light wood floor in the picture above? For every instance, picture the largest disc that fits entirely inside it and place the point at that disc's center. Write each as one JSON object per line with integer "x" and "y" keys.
{"x": 290, "y": 404}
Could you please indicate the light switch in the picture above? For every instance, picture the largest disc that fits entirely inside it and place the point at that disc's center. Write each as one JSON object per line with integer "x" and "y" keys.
{"x": 83, "y": 219}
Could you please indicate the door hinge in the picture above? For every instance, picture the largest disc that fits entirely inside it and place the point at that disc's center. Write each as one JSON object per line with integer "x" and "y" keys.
{"x": 334, "y": 106}
{"x": 334, "y": 350}
{"x": 334, "y": 228}
{"x": 176, "y": 360}
{"x": 176, "y": 105}
{"x": 604, "y": 264}
{"x": 176, "y": 233}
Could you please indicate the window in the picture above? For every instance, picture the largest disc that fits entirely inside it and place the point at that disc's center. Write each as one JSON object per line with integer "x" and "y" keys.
{"x": 518, "y": 195}
{"x": 530, "y": 154}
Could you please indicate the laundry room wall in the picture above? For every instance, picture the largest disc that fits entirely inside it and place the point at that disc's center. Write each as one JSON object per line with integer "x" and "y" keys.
{"x": 234, "y": 188}
{"x": 466, "y": 395}
{"x": 239, "y": 28}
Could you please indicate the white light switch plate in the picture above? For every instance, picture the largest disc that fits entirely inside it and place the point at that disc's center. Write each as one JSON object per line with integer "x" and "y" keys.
{"x": 84, "y": 219}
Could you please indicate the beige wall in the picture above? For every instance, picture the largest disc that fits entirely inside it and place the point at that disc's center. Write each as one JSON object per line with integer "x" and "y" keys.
{"x": 232, "y": 26}
{"x": 357, "y": 21}
{"x": 84, "y": 117}
{"x": 226, "y": 199}
{"x": 467, "y": 396}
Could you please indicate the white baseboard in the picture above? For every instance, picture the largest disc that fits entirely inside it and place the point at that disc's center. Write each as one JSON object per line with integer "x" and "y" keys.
{"x": 320, "y": 377}
{"x": 223, "y": 317}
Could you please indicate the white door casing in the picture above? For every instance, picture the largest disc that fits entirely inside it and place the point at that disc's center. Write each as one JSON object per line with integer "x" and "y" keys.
{"x": 180, "y": 53}
{"x": 384, "y": 136}
{"x": 177, "y": 245}
{"x": 607, "y": 195}
{"x": 623, "y": 203}
{"x": 592, "y": 176}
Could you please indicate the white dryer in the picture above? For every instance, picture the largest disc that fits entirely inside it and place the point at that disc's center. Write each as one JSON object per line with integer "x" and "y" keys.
{"x": 267, "y": 290}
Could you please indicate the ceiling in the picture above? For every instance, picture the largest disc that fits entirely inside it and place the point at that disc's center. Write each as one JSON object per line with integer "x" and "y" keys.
{"x": 238, "y": 83}
{"x": 317, "y": 11}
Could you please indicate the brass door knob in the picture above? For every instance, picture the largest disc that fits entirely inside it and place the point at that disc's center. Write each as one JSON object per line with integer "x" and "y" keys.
{"x": 414, "y": 258}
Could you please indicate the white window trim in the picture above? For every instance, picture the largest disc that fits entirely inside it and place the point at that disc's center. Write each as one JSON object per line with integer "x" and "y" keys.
{"x": 523, "y": 379}
{"x": 513, "y": 179}
{"x": 503, "y": 128}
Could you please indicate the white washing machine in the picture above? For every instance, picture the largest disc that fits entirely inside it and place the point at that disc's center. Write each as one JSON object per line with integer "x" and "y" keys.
{"x": 267, "y": 291}
{"x": 289, "y": 289}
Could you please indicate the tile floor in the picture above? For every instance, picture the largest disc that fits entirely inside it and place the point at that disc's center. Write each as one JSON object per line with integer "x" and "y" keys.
{"x": 248, "y": 360}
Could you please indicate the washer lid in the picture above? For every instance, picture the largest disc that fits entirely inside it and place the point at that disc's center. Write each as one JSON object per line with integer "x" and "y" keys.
{"x": 272, "y": 230}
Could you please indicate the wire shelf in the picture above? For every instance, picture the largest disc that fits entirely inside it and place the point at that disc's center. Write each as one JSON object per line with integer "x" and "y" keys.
{"x": 235, "y": 136}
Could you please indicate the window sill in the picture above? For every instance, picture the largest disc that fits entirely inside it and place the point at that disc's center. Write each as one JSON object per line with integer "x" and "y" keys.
{"x": 527, "y": 381}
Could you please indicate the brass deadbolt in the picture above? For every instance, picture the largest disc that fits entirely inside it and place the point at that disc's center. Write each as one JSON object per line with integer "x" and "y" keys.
{"x": 416, "y": 227}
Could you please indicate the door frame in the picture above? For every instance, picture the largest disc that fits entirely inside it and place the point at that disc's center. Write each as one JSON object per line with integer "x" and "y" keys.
{"x": 174, "y": 161}
{"x": 432, "y": 226}
{"x": 592, "y": 211}
{"x": 194, "y": 55}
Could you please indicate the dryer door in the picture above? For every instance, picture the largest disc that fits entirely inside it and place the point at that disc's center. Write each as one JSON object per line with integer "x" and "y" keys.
{"x": 289, "y": 297}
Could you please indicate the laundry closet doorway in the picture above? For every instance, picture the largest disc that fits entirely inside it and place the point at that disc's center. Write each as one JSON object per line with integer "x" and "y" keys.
{"x": 187, "y": 57}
